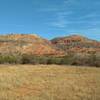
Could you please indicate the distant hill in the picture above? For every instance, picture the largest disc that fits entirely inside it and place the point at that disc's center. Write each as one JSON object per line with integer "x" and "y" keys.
{"x": 28, "y": 44}
{"x": 76, "y": 43}
{"x": 33, "y": 49}
{"x": 36, "y": 45}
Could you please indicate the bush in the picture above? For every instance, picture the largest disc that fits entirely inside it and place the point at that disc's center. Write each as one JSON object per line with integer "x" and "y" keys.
{"x": 28, "y": 59}
{"x": 10, "y": 59}
{"x": 67, "y": 60}
{"x": 82, "y": 59}
{"x": 94, "y": 60}
{"x": 71, "y": 59}
{"x": 54, "y": 60}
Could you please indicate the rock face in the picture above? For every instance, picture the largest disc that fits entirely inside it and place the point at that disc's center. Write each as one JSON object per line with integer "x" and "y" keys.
{"x": 77, "y": 44}
{"x": 28, "y": 44}
{"x": 35, "y": 45}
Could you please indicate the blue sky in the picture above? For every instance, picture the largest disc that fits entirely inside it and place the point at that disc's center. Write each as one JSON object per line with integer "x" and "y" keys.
{"x": 51, "y": 18}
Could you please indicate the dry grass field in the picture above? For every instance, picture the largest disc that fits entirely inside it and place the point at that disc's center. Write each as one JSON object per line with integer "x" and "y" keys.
{"x": 49, "y": 82}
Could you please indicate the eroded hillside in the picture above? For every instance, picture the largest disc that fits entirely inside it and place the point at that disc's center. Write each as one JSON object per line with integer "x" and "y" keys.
{"x": 77, "y": 44}
{"x": 28, "y": 44}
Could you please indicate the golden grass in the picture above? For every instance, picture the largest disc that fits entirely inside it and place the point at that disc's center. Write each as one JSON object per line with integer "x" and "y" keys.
{"x": 49, "y": 82}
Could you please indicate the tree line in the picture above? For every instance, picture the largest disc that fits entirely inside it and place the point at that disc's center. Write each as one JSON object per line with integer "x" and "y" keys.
{"x": 70, "y": 59}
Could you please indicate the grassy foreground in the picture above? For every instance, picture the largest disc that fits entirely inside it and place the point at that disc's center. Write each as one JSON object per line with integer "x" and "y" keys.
{"x": 49, "y": 82}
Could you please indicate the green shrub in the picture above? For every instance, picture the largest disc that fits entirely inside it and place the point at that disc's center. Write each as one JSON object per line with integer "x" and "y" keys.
{"x": 71, "y": 59}
{"x": 67, "y": 60}
{"x": 28, "y": 59}
{"x": 10, "y": 59}
{"x": 54, "y": 60}
{"x": 94, "y": 60}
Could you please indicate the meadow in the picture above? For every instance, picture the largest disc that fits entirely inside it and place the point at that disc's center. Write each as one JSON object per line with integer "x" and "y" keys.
{"x": 49, "y": 82}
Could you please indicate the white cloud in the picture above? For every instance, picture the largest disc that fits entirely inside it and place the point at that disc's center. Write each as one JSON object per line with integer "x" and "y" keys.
{"x": 70, "y": 2}
{"x": 59, "y": 24}
{"x": 64, "y": 13}
{"x": 48, "y": 9}
{"x": 61, "y": 19}
{"x": 90, "y": 15}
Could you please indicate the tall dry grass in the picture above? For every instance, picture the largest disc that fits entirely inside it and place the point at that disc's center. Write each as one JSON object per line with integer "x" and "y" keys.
{"x": 49, "y": 82}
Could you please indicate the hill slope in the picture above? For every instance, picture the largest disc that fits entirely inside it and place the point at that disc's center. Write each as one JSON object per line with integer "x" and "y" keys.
{"x": 33, "y": 44}
{"x": 76, "y": 43}
{"x": 28, "y": 44}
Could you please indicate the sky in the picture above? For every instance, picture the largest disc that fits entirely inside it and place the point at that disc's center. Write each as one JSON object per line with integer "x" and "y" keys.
{"x": 51, "y": 18}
